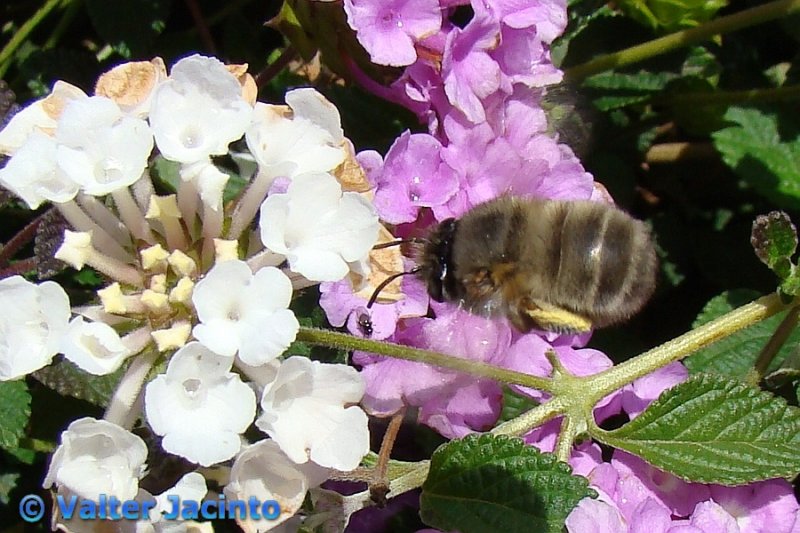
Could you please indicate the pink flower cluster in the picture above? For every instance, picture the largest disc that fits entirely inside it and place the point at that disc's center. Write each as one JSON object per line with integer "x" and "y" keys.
{"x": 635, "y": 497}
{"x": 478, "y": 90}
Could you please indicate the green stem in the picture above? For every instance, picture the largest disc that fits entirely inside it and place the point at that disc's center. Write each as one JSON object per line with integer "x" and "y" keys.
{"x": 673, "y": 41}
{"x": 63, "y": 24}
{"x": 778, "y": 339}
{"x": 23, "y": 32}
{"x": 576, "y": 395}
{"x": 620, "y": 375}
{"x": 476, "y": 368}
{"x": 570, "y": 427}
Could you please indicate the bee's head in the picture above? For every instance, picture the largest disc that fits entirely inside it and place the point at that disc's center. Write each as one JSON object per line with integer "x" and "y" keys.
{"x": 435, "y": 261}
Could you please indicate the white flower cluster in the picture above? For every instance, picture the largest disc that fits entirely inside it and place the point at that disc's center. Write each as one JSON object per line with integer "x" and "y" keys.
{"x": 190, "y": 283}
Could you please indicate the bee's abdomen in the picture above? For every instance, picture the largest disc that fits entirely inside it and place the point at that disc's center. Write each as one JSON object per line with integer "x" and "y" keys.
{"x": 607, "y": 263}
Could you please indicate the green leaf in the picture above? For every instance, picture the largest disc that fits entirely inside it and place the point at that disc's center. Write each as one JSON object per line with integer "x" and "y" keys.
{"x": 15, "y": 410}
{"x": 8, "y": 482}
{"x": 88, "y": 278}
{"x": 129, "y": 27}
{"x": 791, "y": 285}
{"x": 288, "y": 22}
{"x": 787, "y": 372}
{"x": 763, "y": 152}
{"x": 711, "y": 429}
{"x": 498, "y": 483}
{"x": 671, "y": 15}
{"x": 67, "y": 379}
{"x": 621, "y": 90}
{"x": 166, "y": 173}
{"x": 579, "y": 20}
{"x": 697, "y": 120}
{"x": 514, "y": 405}
{"x": 774, "y": 238}
{"x": 735, "y": 355}
{"x": 701, "y": 63}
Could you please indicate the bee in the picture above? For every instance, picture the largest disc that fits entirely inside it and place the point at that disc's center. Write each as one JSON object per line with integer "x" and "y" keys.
{"x": 562, "y": 266}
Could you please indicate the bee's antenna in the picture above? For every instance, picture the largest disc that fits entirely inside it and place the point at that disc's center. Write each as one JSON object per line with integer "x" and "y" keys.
{"x": 364, "y": 320}
{"x": 399, "y": 242}
{"x": 382, "y": 285}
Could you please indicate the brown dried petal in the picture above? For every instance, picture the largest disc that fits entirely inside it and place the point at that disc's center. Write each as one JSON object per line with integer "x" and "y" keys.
{"x": 350, "y": 174}
{"x": 131, "y": 84}
{"x": 248, "y": 83}
{"x": 63, "y": 93}
{"x": 383, "y": 263}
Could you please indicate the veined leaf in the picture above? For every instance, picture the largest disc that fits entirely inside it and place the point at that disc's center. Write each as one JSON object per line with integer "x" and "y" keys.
{"x": 712, "y": 429}
{"x": 735, "y": 354}
{"x": 765, "y": 155}
{"x": 67, "y": 379}
{"x": 15, "y": 410}
{"x": 498, "y": 483}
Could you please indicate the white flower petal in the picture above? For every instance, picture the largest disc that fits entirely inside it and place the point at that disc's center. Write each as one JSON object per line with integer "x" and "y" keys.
{"x": 191, "y": 486}
{"x": 311, "y": 105}
{"x": 245, "y": 312}
{"x": 268, "y": 338}
{"x": 41, "y": 116}
{"x": 273, "y": 220}
{"x": 262, "y": 471}
{"x": 33, "y": 173}
{"x": 221, "y": 288}
{"x": 100, "y": 148}
{"x": 316, "y": 192}
{"x": 342, "y": 229}
{"x": 307, "y": 412}
{"x": 318, "y": 265}
{"x": 276, "y": 140}
{"x": 199, "y": 407}
{"x": 342, "y": 439}
{"x": 269, "y": 290}
{"x": 204, "y": 448}
{"x": 94, "y": 346}
{"x": 33, "y": 321}
{"x": 198, "y": 111}
{"x": 219, "y": 336}
{"x": 97, "y": 457}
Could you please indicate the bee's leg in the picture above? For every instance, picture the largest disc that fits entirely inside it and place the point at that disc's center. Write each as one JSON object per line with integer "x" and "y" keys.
{"x": 531, "y": 314}
{"x": 479, "y": 285}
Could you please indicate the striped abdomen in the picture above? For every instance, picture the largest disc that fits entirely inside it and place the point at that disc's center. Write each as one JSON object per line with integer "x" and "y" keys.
{"x": 600, "y": 261}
